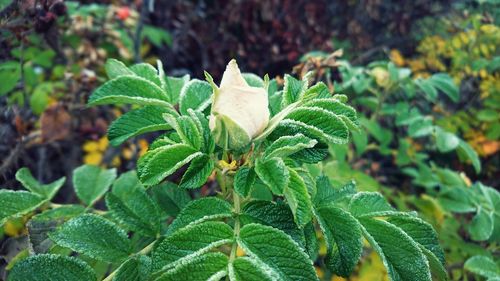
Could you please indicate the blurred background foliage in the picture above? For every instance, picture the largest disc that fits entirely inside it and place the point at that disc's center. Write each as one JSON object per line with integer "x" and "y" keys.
{"x": 424, "y": 76}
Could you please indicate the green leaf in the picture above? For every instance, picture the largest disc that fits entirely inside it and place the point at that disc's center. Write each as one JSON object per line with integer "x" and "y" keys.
{"x": 316, "y": 123}
{"x": 159, "y": 163}
{"x": 369, "y": 204}
{"x": 275, "y": 214}
{"x": 293, "y": 89}
{"x": 10, "y": 71}
{"x": 466, "y": 150}
{"x": 428, "y": 88}
{"x": 288, "y": 145}
{"x": 138, "y": 122}
{"x": 170, "y": 198}
{"x": 488, "y": 115}
{"x": 320, "y": 90}
{"x": 190, "y": 242}
{"x": 39, "y": 100}
{"x": 79, "y": 234}
{"x": 244, "y": 181}
{"x": 298, "y": 199}
{"x": 16, "y": 203}
{"x": 273, "y": 173}
{"x": 445, "y": 83}
{"x": 481, "y": 226}
{"x": 247, "y": 269}
{"x": 198, "y": 172}
{"x": 136, "y": 268}
{"x": 115, "y": 68}
{"x": 201, "y": 121}
{"x": 53, "y": 268}
{"x": 327, "y": 194}
{"x": 277, "y": 252}
{"x": 134, "y": 209}
{"x": 129, "y": 89}
{"x": 187, "y": 129}
{"x": 173, "y": 87}
{"x": 196, "y": 94}
{"x": 421, "y": 232}
{"x": 92, "y": 182}
{"x": 343, "y": 237}
{"x": 483, "y": 266}
{"x": 208, "y": 267}
{"x": 208, "y": 208}
{"x": 401, "y": 256}
{"x": 345, "y": 112}
{"x": 48, "y": 191}
{"x": 146, "y": 71}
{"x": 446, "y": 141}
{"x": 253, "y": 80}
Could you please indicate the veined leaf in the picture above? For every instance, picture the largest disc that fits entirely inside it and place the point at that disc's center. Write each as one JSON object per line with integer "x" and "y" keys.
{"x": 51, "y": 267}
{"x": 248, "y": 269}
{"x": 173, "y": 86}
{"x": 190, "y": 242}
{"x": 288, "y": 145}
{"x": 16, "y": 203}
{"x": 327, "y": 194}
{"x": 343, "y": 237}
{"x": 208, "y": 208}
{"x": 187, "y": 130}
{"x": 298, "y": 199}
{"x": 347, "y": 113}
{"x": 244, "y": 181}
{"x": 293, "y": 89}
{"x": 146, "y": 71}
{"x": 129, "y": 89}
{"x": 136, "y": 268}
{"x": 281, "y": 257}
{"x": 273, "y": 173}
{"x": 198, "y": 172}
{"x": 135, "y": 210}
{"x": 48, "y": 191}
{"x": 115, "y": 68}
{"x": 329, "y": 125}
{"x": 157, "y": 164}
{"x": 79, "y": 234}
{"x": 196, "y": 94}
{"x": 318, "y": 91}
{"x": 137, "y": 122}
{"x": 404, "y": 260}
{"x": 482, "y": 225}
{"x": 275, "y": 214}
{"x": 208, "y": 267}
{"x": 92, "y": 182}
{"x": 170, "y": 198}
{"x": 369, "y": 204}
{"x": 202, "y": 123}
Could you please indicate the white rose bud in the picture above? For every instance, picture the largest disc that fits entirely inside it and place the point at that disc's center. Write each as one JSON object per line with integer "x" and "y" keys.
{"x": 239, "y": 112}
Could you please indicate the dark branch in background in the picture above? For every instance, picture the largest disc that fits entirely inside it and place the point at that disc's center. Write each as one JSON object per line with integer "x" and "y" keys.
{"x": 138, "y": 31}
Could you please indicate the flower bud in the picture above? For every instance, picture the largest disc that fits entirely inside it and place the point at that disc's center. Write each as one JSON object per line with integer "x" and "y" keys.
{"x": 239, "y": 112}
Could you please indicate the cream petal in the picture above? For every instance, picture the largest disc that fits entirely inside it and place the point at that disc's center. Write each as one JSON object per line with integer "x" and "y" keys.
{"x": 232, "y": 76}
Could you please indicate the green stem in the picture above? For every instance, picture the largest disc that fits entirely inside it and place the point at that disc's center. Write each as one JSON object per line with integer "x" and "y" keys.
{"x": 237, "y": 210}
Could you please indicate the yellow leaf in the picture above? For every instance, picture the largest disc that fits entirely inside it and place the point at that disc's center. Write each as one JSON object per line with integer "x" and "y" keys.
{"x": 397, "y": 58}
{"x": 240, "y": 252}
{"x": 143, "y": 146}
{"x": 127, "y": 153}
